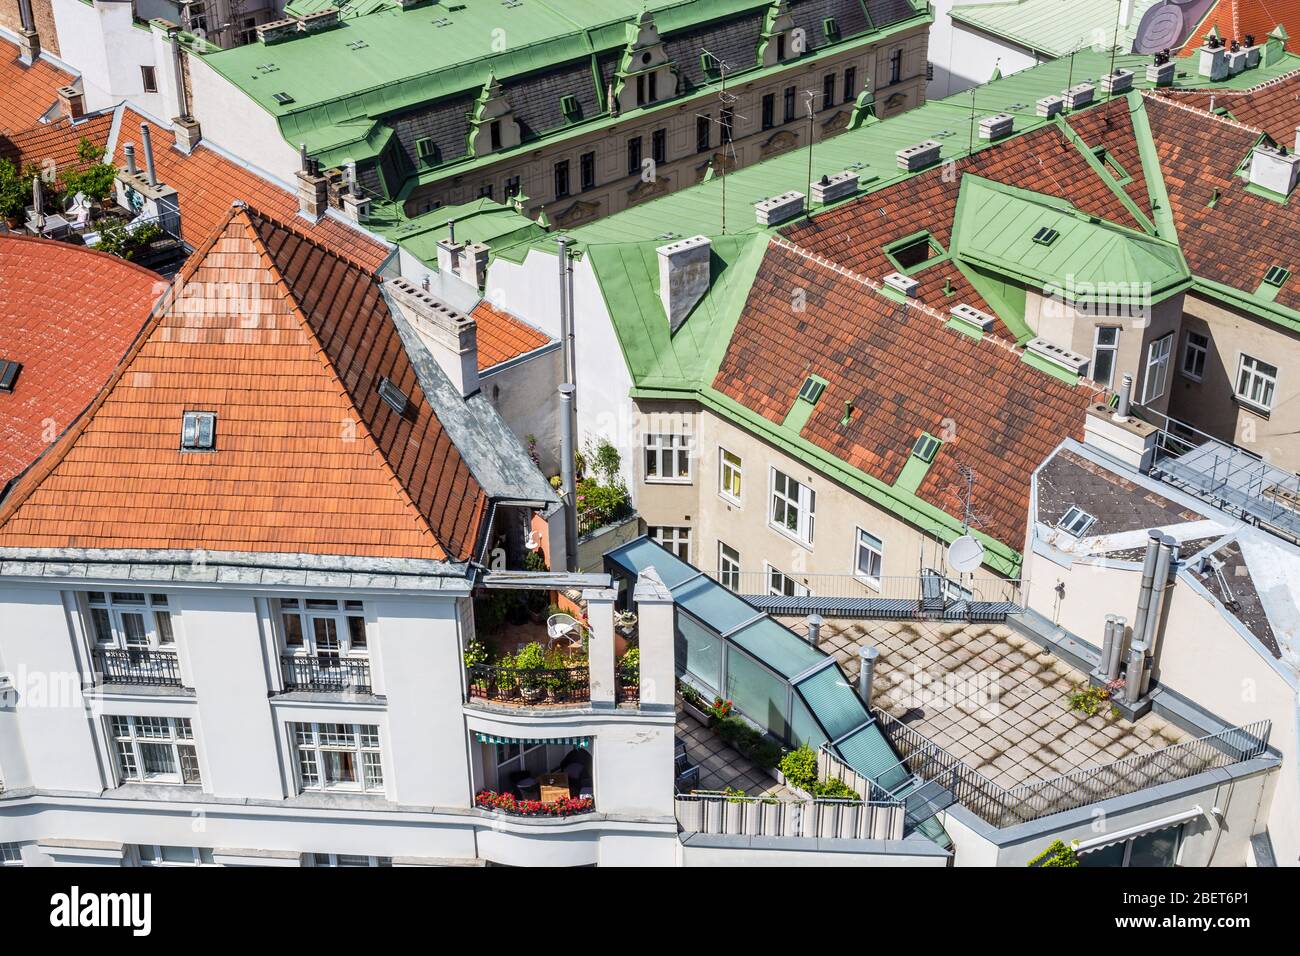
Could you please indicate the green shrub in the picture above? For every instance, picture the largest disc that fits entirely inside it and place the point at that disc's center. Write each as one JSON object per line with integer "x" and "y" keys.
{"x": 477, "y": 654}
{"x": 759, "y": 749}
{"x": 1057, "y": 854}
{"x": 834, "y": 788}
{"x": 799, "y": 767}
{"x": 531, "y": 657}
{"x": 629, "y": 666}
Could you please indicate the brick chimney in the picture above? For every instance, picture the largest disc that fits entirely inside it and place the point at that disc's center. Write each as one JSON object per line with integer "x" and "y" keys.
{"x": 29, "y": 41}
{"x": 313, "y": 188}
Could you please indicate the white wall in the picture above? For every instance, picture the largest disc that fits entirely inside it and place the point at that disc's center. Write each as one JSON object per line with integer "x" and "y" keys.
{"x": 963, "y": 58}
{"x": 235, "y": 123}
{"x": 101, "y": 41}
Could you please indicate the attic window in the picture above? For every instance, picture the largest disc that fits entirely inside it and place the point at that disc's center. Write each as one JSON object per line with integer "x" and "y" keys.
{"x": 393, "y": 396}
{"x": 283, "y": 98}
{"x": 1277, "y": 276}
{"x": 812, "y": 390}
{"x": 427, "y": 150}
{"x": 925, "y": 447}
{"x": 8, "y": 374}
{"x": 1046, "y": 236}
{"x": 910, "y": 254}
{"x": 569, "y": 106}
{"x": 198, "y": 431}
{"x": 831, "y": 28}
{"x": 1076, "y": 521}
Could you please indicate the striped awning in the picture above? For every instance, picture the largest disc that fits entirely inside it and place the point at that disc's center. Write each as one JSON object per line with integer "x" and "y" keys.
{"x": 583, "y": 742}
{"x": 1142, "y": 829}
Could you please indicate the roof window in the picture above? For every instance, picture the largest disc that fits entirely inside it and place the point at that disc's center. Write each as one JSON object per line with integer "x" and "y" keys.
{"x": 1046, "y": 236}
{"x": 8, "y": 374}
{"x": 925, "y": 447}
{"x": 198, "y": 431}
{"x": 1075, "y": 521}
{"x": 812, "y": 390}
{"x": 1277, "y": 276}
{"x": 394, "y": 397}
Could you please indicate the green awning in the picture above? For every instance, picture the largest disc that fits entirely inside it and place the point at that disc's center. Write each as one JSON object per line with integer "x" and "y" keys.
{"x": 583, "y": 742}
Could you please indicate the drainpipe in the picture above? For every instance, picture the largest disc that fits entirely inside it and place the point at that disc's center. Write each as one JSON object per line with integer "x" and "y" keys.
{"x": 1125, "y": 399}
{"x": 568, "y": 478}
{"x": 147, "y": 142}
{"x": 566, "y": 317}
{"x": 814, "y": 629}
{"x": 867, "y": 674}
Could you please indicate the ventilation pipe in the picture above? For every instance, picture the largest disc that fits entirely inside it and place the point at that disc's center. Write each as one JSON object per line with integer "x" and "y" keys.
{"x": 815, "y": 629}
{"x": 568, "y": 478}
{"x": 1166, "y": 566}
{"x": 131, "y": 167}
{"x": 1107, "y": 646}
{"x": 1144, "y": 590}
{"x": 867, "y": 673}
{"x": 1111, "y": 659}
{"x": 150, "y": 172}
{"x": 1125, "y": 399}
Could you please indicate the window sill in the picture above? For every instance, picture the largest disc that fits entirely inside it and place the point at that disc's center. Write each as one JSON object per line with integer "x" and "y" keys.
{"x": 790, "y": 536}
{"x": 668, "y": 481}
{"x": 730, "y": 500}
{"x": 872, "y": 583}
{"x": 1257, "y": 410}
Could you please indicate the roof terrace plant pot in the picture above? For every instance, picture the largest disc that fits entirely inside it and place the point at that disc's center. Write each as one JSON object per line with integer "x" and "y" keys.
{"x": 700, "y": 714}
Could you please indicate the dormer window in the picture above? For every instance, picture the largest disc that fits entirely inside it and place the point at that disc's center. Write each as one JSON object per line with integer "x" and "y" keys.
{"x": 8, "y": 374}
{"x": 198, "y": 431}
{"x": 647, "y": 88}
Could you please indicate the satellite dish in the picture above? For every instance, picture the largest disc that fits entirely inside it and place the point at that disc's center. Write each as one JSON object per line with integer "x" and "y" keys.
{"x": 965, "y": 554}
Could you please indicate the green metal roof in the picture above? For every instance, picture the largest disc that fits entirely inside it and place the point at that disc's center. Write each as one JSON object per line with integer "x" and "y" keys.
{"x": 1055, "y": 27}
{"x": 481, "y": 220}
{"x": 1088, "y": 259}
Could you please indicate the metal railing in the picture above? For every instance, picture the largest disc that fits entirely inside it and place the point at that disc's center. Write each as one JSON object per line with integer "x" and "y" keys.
{"x": 326, "y": 674}
{"x": 712, "y": 812}
{"x": 138, "y": 665}
{"x": 540, "y": 687}
{"x": 593, "y": 519}
{"x": 1003, "y": 806}
{"x": 626, "y": 690}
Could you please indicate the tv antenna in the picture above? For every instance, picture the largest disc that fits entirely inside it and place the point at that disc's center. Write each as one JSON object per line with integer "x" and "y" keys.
{"x": 809, "y": 96}
{"x": 726, "y": 122}
{"x": 966, "y": 497}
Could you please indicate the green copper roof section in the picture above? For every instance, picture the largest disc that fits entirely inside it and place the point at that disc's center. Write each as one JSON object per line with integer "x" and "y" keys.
{"x": 1089, "y": 259}
{"x": 1054, "y": 27}
{"x": 480, "y": 220}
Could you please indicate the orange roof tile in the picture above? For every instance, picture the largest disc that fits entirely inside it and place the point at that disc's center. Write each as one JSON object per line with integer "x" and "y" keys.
{"x": 1235, "y": 19}
{"x": 1272, "y": 107}
{"x": 56, "y": 142}
{"x": 502, "y": 337}
{"x": 286, "y": 341}
{"x": 68, "y": 314}
{"x": 29, "y": 91}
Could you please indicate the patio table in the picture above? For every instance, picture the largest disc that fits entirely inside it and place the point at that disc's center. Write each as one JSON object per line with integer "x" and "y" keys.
{"x": 555, "y": 786}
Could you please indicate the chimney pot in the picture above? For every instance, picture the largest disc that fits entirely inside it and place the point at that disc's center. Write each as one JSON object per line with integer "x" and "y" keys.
{"x": 684, "y": 275}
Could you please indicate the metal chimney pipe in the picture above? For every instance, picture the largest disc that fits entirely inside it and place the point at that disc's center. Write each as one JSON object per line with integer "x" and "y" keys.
{"x": 1117, "y": 648}
{"x": 178, "y": 66}
{"x": 1107, "y": 644}
{"x": 814, "y": 629}
{"x": 1165, "y": 566}
{"x": 1144, "y": 591}
{"x": 25, "y": 15}
{"x": 1133, "y": 679}
{"x": 129, "y": 149}
{"x": 867, "y": 655}
{"x": 147, "y": 142}
{"x": 451, "y": 232}
{"x": 566, "y": 318}
{"x": 568, "y": 477}
{"x": 302, "y": 156}
{"x": 1125, "y": 399}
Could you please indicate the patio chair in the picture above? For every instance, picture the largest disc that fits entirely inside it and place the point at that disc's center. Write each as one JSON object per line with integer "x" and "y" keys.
{"x": 564, "y": 630}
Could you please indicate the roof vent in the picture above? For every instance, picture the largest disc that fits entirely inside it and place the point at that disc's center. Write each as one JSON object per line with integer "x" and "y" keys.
{"x": 198, "y": 431}
{"x": 830, "y": 188}
{"x": 973, "y": 316}
{"x": 901, "y": 283}
{"x": 1061, "y": 358}
{"x": 777, "y": 209}
{"x": 997, "y": 126}
{"x": 1275, "y": 169}
{"x": 1050, "y": 106}
{"x": 1121, "y": 81}
{"x": 1046, "y": 235}
{"x": 8, "y": 374}
{"x": 393, "y": 396}
{"x": 277, "y": 31}
{"x": 684, "y": 275}
{"x": 1078, "y": 95}
{"x": 919, "y": 155}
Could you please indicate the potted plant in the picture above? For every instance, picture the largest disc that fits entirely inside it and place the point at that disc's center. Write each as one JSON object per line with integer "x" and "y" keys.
{"x": 694, "y": 704}
{"x": 629, "y": 668}
{"x": 625, "y": 621}
{"x": 528, "y": 665}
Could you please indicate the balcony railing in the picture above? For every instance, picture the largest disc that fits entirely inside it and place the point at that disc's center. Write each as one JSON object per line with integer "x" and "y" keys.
{"x": 626, "y": 689}
{"x": 542, "y": 687}
{"x": 593, "y": 519}
{"x": 823, "y": 818}
{"x": 326, "y": 674}
{"x": 138, "y": 665}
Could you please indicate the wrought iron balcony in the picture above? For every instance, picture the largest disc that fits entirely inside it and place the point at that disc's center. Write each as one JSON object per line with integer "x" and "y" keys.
{"x": 541, "y": 687}
{"x": 327, "y": 674}
{"x": 137, "y": 665}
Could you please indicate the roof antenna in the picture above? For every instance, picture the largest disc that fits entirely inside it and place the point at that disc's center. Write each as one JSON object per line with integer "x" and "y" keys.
{"x": 726, "y": 121}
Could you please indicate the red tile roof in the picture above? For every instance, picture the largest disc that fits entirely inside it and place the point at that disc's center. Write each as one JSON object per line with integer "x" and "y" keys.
{"x": 29, "y": 91}
{"x": 207, "y": 182}
{"x": 286, "y": 341}
{"x": 1234, "y": 19}
{"x": 68, "y": 315}
{"x": 1273, "y": 107}
{"x": 1111, "y": 126}
{"x": 855, "y": 234}
{"x": 57, "y": 141}
{"x": 905, "y": 373}
{"x": 502, "y": 337}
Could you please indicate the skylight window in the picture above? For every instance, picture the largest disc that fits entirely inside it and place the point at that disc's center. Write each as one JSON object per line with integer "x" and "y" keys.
{"x": 1046, "y": 236}
{"x": 198, "y": 431}
{"x": 1277, "y": 276}
{"x": 8, "y": 374}
{"x": 283, "y": 98}
{"x": 911, "y": 254}
{"x": 393, "y": 396}
{"x": 925, "y": 447}
{"x": 812, "y": 390}
{"x": 1075, "y": 521}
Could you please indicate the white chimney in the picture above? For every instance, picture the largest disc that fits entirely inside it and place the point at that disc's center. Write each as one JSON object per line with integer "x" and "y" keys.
{"x": 1049, "y": 106}
{"x": 474, "y": 263}
{"x": 684, "y": 275}
{"x": 1297, "y": 139}
{"x": 1121, "y": 81}
{"x": 451, "y": 336}
{"x": 1213, "y": 60}
{"x": 1078, "y": 95}
{"x": 830, "y": 188}
{"x": 901, "y": 283}
{"x": 997, "y": 126}
{"x": 777, "y": 209}
{"x": 919, "y": 155}
{"x": 1274, "y": 169}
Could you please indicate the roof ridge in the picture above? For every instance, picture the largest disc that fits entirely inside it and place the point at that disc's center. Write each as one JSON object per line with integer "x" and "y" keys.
{"x": 1248, "y": 91}
{"x": 1178, "y": 104}
{"x": 85, "y": 250}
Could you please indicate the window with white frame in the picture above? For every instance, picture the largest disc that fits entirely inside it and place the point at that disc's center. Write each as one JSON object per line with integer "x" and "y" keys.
{"x": 728, "y": 567}
{"x": 676, "y": 540}
{"x": 1256, "y": 382}
{"x": 150, "y": 855}
{"x": 868, "y": 558}
{"x": 793, "y": 507}
{"x": 130, "y": 619}
{"x": 1105, "y": 347}
{"x": 780, "y": 584}
{"x": 667, "y": 457}
{"x": 155, "y": 749}
{"x": 1158, "y": 848}
{"x": 11, "y": 854}
{"x": 349, "y": 859}
{"x": 1157, "y": 375}
{"x": 338, "y": 756}
{"x": 1195, "y": 351}
{"x": 512, "y": 758}
{"x": 323, "y": 627}
{"x": 729, "y": 475}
